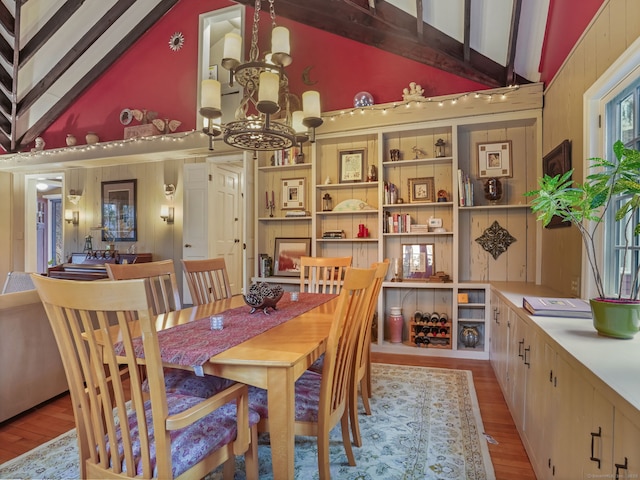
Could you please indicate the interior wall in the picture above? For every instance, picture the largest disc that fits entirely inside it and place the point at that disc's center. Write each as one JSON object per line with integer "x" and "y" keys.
{"x": 5, "y": 219}
{"x": 612, "y": 31}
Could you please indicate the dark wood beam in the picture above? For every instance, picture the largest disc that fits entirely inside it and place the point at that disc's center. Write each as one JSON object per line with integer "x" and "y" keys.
{"x": 49, "y": 29}
{"x": 114, "y": 54}
{"x": 419, "y": 21}
{"x": 466, "y": 44}
{"x": 13, "y": 118}
{"x": 513, "y": 42}
{"x": 6, "y": 51}
{"x": 394, "y": 31}
{"x": 6, "y": 20}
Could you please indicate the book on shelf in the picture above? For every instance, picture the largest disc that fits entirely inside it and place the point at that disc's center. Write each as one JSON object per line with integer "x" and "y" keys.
{"x": 557, "y": 307}
{"x": 296, "y": 213}
{"x": 333, "y": 234}
{"x": 465, "y": 189}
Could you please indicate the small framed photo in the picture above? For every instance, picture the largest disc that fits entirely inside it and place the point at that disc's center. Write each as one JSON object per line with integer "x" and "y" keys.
{"x": 418, "y": 261}
{"x": 421, "y": 190}
{"x": 494, "y": 159}
{"x": 287, "y": 255}
{"x": 557, "y": 162}
{"x": 293, "y": 193}
{"x": 352, "y": 165}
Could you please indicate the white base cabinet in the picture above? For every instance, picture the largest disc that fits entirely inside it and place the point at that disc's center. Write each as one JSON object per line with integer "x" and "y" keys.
{"x": 573, "y": 422}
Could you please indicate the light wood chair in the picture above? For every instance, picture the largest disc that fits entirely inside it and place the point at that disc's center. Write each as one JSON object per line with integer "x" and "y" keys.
{"x": 124, "y": 435}
{"x": 322, "y": 274}
{"x": 207, "y": 279}
{"x": 163, "y": 291}
{"x": 362, "y": 364}
{"x": 322, "y": 400}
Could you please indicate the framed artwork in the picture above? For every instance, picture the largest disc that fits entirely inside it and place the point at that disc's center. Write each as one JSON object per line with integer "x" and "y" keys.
{"x": 351, "y": 168}
{"x": 421, "y": 190}
{"x": 287, "y": 255}
{"x": 418, "y": 261}
{"x": 494, "y": 159}
{"x": 557, "y": 162}
{"x": 293, "y": 193}
{"x": 119, "y": 212}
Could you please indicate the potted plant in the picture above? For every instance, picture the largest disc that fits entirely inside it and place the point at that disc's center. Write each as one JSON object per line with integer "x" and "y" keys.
{"x": 585, "y": 206}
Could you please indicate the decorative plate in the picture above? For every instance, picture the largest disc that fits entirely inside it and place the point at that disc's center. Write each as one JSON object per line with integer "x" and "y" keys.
{"x": 352, "y": 205}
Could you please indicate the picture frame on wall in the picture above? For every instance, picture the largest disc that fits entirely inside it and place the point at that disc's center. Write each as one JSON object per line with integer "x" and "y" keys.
{"x": 557, "y": 162}
{"x": 352, "y": 165}
{"x": 418, "y": 261}
{"x": 494, "y": 159}
{"x": 421, "y": 190}
{"x": 287, "y": 255}
{"x": 119, "y": 211}
{"x": 293, "y": 192}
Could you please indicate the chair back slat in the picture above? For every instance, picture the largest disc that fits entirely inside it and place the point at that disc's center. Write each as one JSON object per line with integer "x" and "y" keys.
{"x": 162, "y": 287}
{"x": 322, "y": 274}
{"x": 207, "y": 279}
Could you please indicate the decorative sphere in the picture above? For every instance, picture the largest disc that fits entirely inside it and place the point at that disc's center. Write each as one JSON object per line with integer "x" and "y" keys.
{"x": 362, "y": 99}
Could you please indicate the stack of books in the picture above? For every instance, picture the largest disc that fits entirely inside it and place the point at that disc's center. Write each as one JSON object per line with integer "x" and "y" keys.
{"x": 296, "y": 213}
{"x": 416, "y": 228}
{"x": 557, "y": 307}
{"x": 333, "y": 234}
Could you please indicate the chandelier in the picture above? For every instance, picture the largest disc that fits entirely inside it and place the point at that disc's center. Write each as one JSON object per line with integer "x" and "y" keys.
{"x": 263, "y": 120}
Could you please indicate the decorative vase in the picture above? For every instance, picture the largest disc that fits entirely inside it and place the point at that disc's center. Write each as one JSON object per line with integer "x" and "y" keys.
{"x": 71, "y": 140}
{"x": 396, "y": 325}
{"x": 469, "y": 336}
{"x": 616, "y": 319}
{"x": 92, "y": 138}
{"x": 493, "y": 190}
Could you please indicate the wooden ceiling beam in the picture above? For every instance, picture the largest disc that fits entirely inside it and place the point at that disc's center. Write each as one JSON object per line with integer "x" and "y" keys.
{"x": 513, "y": 41}
{"x": 466, "y": 44}
{"x": 392, "y": 30}
{"x": 49, "y": 29}
{"x": 6, "y": 20}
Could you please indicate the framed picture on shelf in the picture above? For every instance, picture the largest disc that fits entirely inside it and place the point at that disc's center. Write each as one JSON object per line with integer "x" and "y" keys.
{"x": 352, "y": 165}
{"x": 287, "y": 255}
{"x": 557, "y": 162}
{"x": 421, "y": 190}
{"x": 119, "y": 213}
{"x": 494, "y": 159}
{"x": 293, "y": 193}
{"x": 418, "y": 261}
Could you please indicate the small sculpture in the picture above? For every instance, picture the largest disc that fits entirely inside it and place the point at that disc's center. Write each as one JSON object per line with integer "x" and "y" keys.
{"x": 40, "y": 143}
{"x": 418, "y": 152}
{"x": 414, "y": 92}
{"x": 263, "y": 296}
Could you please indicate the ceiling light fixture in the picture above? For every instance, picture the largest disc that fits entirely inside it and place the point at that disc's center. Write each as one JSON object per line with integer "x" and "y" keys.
{"x": 264, "y": 120}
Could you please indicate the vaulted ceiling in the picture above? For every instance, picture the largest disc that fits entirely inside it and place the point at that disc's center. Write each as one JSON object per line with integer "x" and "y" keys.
{"x": 51, "y": 50}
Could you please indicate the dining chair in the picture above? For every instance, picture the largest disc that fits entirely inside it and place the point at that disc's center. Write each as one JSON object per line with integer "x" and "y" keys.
{"x": 123, "y": 431}
{"x": 321, "y": 400}
{"x": 322, "y": 274}
{"x": 163, "y": 293}
{"x": 207, "y": 279}
{"x": 362, "y": 363}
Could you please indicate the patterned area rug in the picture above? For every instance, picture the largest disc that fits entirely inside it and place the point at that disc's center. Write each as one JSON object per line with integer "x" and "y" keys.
{"x": 426, "y": 424}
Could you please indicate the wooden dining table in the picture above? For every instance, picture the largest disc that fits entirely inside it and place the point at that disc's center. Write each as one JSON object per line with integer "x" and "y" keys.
{"x": 272, "y": 360}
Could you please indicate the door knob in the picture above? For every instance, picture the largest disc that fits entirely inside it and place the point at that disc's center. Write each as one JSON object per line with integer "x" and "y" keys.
{"x": 187, "y": 245}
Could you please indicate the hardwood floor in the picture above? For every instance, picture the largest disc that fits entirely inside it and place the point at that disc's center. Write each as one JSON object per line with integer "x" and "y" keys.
{"x": 47, "y": 421}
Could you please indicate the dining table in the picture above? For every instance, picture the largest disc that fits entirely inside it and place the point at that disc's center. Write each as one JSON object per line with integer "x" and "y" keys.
{"x": 269, "y": 352}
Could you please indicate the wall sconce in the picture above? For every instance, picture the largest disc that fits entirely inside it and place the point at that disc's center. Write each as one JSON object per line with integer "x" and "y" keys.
{"x": 74, "y": 196}
{"x": 72, "y": 216}
{"x": 166, "y": 213}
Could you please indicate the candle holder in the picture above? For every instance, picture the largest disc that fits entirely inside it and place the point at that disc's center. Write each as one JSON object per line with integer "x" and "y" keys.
{"x": 396, "y": 265}
{"x": 271, "y": 206}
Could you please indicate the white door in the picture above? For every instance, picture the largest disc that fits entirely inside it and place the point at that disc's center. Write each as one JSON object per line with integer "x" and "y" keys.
{"x": 195, "y": 234}
{"x": 226, "y": 231}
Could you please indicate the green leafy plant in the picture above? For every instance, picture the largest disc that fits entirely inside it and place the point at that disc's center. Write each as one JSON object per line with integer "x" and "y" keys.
{"x": 585, "y": 205}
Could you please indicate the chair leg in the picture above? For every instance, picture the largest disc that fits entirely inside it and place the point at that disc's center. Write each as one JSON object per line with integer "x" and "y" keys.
{"x": 365, "y": 394}
{"x": 367, "y": 374}
{"x": 352, "y": 407}
{"x": 323, "y": 454}
{"x": 346, "y": 440}
{"x": 251, "y": 456}
{"x": 229, "y": 468}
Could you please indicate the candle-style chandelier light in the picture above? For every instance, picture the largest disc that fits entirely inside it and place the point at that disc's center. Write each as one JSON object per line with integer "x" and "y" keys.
{"x": 263, "y": 120}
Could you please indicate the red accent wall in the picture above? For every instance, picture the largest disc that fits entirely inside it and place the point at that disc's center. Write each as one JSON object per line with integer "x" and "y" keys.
{"x": 566, "y": 21}
{"x": 150, "y": 76}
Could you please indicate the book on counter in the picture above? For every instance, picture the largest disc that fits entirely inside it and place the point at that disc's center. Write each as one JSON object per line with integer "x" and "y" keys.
{"x": 557, "y": 307}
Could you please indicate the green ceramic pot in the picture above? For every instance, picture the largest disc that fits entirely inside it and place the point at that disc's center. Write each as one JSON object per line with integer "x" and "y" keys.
{"x": 615, "y": 319}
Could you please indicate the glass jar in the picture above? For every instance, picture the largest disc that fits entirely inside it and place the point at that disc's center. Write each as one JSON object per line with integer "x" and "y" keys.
{"x": 396, "y": 325}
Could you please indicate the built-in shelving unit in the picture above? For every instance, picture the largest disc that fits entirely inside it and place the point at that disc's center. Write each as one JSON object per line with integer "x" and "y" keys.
{"x": 465, "y": 264}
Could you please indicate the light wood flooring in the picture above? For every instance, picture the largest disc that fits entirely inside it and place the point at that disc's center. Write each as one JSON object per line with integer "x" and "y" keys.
{"x": 47, "y": 421}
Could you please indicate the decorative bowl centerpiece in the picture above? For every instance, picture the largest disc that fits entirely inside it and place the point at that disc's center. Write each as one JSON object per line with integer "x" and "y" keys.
{"x": 263, "y": 296}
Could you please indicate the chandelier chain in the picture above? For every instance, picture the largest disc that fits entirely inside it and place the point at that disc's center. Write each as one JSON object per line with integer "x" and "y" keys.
{"x": 254, "y": 52}
{"x": 272, "y": 13}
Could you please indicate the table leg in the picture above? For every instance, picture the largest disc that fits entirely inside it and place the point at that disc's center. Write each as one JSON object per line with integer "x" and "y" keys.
{"x": 281, "y": 404}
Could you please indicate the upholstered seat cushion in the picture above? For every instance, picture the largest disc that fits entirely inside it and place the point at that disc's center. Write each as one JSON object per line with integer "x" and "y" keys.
{"x": 193, "y": 443}
{"x": 185, "y": 382}
{"x": 307, "y": 396}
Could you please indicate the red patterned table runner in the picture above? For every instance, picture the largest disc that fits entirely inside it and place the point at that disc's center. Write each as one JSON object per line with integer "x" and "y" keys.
{"x": 194, "y": 343}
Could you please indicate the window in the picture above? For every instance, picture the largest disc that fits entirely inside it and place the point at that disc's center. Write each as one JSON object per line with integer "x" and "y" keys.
{"x": 622, "y": 122}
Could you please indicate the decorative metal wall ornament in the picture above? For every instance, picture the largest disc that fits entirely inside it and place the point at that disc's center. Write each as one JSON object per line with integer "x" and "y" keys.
{"x": 176, "y": 41}
{"x": 495, "y": 240}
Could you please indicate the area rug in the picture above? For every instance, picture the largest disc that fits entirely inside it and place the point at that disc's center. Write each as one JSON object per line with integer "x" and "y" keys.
{"x": 426, "y": 424}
